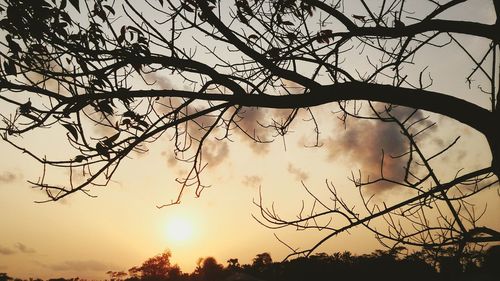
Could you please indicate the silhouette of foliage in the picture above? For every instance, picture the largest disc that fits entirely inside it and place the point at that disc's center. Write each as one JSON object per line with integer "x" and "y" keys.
{"x": 5, "y": 277}
{"x": 209, "y": 270}
{"x": 379, "y": 265}
{"x": 157, "y": 268}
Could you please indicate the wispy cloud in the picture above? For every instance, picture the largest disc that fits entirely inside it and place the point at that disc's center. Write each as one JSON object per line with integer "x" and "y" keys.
{"x": 6, "y": 251}
{"x": 250, "y": 120}
{"x": 298, "y": 173}
{"x": 215, "y": 152}
{"x": 365, "y": 143}
{"x": 18, "y": 248}
{"x": 7, "y": 177}
{"x": 252, "y": 181}
{"x": 24, "y": 249}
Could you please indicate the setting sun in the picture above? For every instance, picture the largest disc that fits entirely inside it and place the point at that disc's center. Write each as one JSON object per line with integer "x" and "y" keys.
{"x": 179, "y": 229}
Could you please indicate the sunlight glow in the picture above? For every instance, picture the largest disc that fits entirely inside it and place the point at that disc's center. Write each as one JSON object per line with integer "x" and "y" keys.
{"x": 179, "y": 229}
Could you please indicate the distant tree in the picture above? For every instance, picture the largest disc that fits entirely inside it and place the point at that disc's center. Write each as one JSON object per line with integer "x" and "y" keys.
{"x": 491, "y": 261}
{"x": 5, "y": 277}
{"x": 157, "y": 268}
{"x": 262, "y": 259}
{"x": 116, "y": 275}
{"x": 233, "y": 264}
{"x": 97, "y": 70}
{"x": 209, "y": 270}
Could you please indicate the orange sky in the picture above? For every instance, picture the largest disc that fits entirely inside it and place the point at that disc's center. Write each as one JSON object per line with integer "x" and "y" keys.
{"x": 85, "y": 237}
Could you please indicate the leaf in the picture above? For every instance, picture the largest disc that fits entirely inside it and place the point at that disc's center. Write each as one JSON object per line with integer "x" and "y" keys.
{"x": 130, "y": 114}
{"x": 13, "y": 46}
{"x": 253, "y": 37}
{"x": 63, "y": 4}
{"x": 10, "y": 67}
{"x": 287, "y": 22}
{"x": 120, "y": 39}
{"x": 126, "y": 122}
{"x": 65, "y": 17}
{"x": 105, "y": 107}
{"x": 25, "y": 108}
{"x": 79, "y": 158}
{"x": 135, "y": 29}
{"x": 102, "y": 150}
{"x": 72, "y": 129}
{"x": 137, "y": 67}
{"x": 161, "y": 2}
{"x": 102, "y": 14}
{"x": 110, "y": 9}
{"x": 76, "y": 4}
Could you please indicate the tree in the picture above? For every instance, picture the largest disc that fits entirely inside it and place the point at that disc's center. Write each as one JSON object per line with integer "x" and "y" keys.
{"x": 157, "y": 268}
{"x": 262, "y": 260}
{"x": 75, "y": 67}
{"x": 5, "y": 277}
{"x": 209, "y": 269}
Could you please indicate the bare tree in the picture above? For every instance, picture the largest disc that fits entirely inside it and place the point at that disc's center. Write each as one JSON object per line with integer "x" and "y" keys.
{"x": 84, "y": 65}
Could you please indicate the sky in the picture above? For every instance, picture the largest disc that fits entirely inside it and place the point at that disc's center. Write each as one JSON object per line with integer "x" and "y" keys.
{"x": 122, "y": 226}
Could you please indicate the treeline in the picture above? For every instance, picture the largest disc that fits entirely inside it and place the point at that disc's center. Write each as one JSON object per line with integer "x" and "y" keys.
{"x": 380, "y": 265}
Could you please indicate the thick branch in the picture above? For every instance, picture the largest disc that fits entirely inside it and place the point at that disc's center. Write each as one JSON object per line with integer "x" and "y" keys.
{"x": 462, "y": 27}
{"x": 447, "y": 105}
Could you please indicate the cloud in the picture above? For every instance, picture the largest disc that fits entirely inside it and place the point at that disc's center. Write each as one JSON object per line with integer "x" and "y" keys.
{"x": 19, "y": 247}
{"x": 249, "y": 121}
{"x": 6, "y": 251}
{"x": 365, "y": 142}
{"x": 252, "y": 181}
{"x": 8, "y": 177}
{"x": 24, "y": 249}
{"x": 299, "y": 174}
{"x": 170, "y": 156}
{"x": 215, "y": 152}
{"x": 75, "y": 265}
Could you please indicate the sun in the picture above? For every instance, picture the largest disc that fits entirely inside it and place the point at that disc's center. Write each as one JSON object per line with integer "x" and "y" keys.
{"x": 179, "y": 229}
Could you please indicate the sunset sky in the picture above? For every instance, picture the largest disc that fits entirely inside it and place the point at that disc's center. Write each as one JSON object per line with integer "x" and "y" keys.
{"x": 122, "y": 227}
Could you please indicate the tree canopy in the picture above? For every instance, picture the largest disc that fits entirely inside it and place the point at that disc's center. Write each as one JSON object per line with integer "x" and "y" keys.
{"x": 98, "y": 70}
